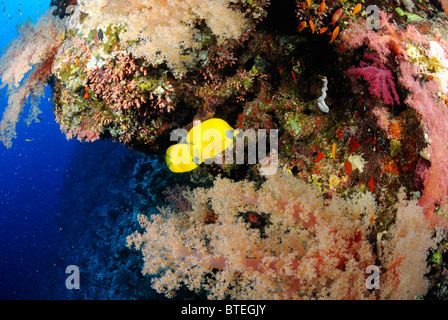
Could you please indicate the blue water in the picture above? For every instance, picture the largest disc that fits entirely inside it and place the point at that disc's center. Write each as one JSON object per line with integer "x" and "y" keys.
{"x": 70, "y": 203}
{"x": 30, "y": 180}
{"x": 31, "y": 177}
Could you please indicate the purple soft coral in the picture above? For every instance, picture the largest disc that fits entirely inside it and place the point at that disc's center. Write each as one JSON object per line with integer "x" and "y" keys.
{"x": 381, "y": 81}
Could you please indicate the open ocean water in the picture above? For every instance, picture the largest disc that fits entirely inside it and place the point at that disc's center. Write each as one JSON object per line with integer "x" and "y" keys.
{"x": 31, "y": 177}
{"x": 47, "y": 187}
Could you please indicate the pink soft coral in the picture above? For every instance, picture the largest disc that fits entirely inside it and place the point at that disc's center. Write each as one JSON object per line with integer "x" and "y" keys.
{"x": 385, "y": 41}
{"x": 423, "y": 97}
{"x": 298, "y": 246}
{"x": 381, "y": 81}
{"x": 444, "y": 4}
{"x": 32, "y": 54}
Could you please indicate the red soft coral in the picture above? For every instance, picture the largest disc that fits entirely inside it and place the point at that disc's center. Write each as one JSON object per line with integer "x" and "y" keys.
{"x": 380, "y": 79}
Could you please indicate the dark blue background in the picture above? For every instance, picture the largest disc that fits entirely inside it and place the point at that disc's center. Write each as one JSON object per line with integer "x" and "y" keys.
{"x": 31, "y": 177}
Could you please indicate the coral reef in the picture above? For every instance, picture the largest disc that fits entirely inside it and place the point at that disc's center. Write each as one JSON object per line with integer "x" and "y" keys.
{"x": 165, "y": 31}
{"x": 292, "y": 244}
{"x": 356, "y": 92}
{"x": 29, "y": 58}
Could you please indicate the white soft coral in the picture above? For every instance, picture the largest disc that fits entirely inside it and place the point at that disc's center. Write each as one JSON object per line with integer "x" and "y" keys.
{"x": 163, "y": 31}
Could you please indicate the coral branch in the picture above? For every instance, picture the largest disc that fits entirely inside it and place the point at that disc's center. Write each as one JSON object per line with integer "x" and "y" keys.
{"x": 34, "y": 50}
{"x": 381, "y": 81}
{"x": 302, "y": 248}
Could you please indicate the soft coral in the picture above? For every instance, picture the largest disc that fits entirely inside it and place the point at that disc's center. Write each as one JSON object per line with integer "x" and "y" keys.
{"x": 380, "y": 79}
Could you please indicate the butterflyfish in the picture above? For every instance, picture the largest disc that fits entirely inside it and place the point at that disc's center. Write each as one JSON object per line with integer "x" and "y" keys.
{"x": 178, "y": 158}
{"x": 203, "y": 142}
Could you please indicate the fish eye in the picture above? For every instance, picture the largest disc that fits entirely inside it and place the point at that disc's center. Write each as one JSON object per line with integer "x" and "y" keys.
{"x": 196, "y": 160}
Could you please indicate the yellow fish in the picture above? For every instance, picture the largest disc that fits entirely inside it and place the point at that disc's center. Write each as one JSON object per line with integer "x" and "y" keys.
{"x": 178, "y": 158}
{"x": 209, "y": 138}
{"x": 204, "y": 141}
